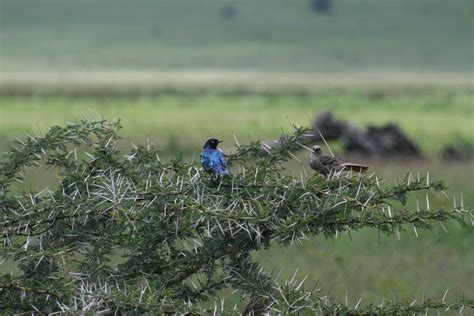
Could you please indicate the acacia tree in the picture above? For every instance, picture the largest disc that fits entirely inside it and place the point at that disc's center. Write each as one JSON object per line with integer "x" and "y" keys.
{"x": 132, "y": 234}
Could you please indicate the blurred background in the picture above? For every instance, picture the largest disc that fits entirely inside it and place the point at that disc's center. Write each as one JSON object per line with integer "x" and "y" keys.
{"x": 390, "y": 83}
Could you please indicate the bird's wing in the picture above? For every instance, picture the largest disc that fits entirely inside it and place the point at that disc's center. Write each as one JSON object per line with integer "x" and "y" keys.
{"x": 206, "y": 160}
{"x": 222, "y": 159}
{"x": 331, "y": 162}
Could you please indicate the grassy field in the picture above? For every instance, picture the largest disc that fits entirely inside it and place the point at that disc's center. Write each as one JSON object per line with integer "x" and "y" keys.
{"x": 272, "y": 35}
{"x": 365, "y": 265}
{"x": 178, "y": 72}
{"x": 435, "y": 117}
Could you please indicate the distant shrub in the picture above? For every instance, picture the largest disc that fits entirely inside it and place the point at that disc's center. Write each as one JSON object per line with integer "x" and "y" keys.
{"x": 322, "y": 6}
{"x": 462, "y": 149}
{"x": 229, "y": 12}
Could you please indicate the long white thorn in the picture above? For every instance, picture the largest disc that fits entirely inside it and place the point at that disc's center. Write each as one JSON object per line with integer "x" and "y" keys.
{"x": 236, "y": 141}
{"x": 327, "y": 145}
{"x": 444, "y": 296}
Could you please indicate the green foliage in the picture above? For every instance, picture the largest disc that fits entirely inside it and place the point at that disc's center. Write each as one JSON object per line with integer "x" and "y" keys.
{"x": 181, "y": 234}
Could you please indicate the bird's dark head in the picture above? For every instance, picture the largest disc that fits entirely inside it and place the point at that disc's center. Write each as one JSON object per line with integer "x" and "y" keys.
{"x": 317, "y": 149}
{"x": 212, "y": 143}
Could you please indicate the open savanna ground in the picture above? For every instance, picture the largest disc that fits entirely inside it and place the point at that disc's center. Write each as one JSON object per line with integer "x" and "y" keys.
{"x": 272, "y": 35}
{"x": 363, "y": 264}
{"x": 434, "y": 116}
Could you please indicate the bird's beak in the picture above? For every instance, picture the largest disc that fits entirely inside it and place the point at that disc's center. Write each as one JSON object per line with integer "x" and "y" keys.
{"x": 220, "y": 141}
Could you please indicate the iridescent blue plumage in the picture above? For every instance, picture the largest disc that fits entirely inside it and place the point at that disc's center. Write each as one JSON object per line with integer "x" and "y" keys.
{"x": 212, "y": 160}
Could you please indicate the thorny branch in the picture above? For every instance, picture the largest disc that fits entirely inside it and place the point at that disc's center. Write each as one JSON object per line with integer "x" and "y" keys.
{"x": 134, "y": 234}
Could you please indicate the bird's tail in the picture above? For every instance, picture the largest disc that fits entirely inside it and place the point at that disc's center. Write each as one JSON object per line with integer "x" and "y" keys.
{"x": 348, "y": 166}
{"x": 220, "y": 171}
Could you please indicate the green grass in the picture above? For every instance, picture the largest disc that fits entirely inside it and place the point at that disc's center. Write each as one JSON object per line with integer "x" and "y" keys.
{"x": 272, "y": 35}
{"x": 372, "y": 270}
{"x": 364, "y": 265}
{"x": 177, "y": 72}
{"x": 433, "y": 117}
{"x": 371, "y": 267}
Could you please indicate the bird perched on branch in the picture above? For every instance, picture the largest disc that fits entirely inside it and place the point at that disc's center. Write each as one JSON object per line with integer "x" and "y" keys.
{"x": 213, "y": 160}
{"x": 326, "y": 164}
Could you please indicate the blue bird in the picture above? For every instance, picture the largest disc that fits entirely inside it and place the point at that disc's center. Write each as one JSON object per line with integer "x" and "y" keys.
{"x": 212, "y": 160}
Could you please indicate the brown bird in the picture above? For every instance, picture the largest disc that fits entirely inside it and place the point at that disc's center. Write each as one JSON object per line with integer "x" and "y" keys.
{"x": 328, "y": 164}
